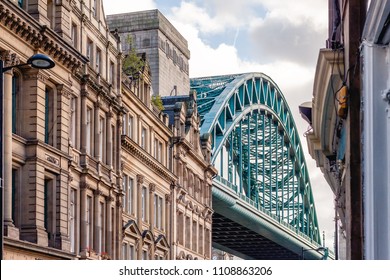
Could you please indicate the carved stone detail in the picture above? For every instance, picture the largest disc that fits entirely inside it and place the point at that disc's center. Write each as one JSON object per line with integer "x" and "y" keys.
{"x": 64, "y": 91}
{"x": 152, "y": 188}
{"x": 140, "y": 179}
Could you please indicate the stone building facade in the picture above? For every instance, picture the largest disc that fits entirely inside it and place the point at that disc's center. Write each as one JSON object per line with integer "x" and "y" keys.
{"x": 192, "y": 212}
{"x": 166, "y": 49}
{"x": 96, "y": 171}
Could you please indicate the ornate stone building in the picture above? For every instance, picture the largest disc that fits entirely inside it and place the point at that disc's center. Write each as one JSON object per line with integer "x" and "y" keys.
{"x": 63, "y": 186}
{"x": 147, "y": 174}
{"x": 92, "y": 170}
{"x": 192, "y": 211}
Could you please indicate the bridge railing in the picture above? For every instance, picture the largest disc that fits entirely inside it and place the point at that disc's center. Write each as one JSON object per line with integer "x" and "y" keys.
{"x": 263, "y": 210}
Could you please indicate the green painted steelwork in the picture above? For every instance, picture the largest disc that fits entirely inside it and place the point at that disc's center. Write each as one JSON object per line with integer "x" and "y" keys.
{"x": 256, "y": 147}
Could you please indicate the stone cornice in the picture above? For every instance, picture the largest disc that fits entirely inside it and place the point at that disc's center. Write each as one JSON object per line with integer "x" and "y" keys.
{"x": 39, "y": 36}
{"x": 134, "y": 149}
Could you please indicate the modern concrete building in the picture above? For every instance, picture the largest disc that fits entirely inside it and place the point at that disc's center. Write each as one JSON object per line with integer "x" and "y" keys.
{"x": 92, "y": 169}
{"x": 166, "y": 49}
{"x": 350, "y": 121}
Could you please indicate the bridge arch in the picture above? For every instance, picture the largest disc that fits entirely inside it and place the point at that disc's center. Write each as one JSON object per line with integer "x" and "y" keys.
{"x": 256, "y": 147}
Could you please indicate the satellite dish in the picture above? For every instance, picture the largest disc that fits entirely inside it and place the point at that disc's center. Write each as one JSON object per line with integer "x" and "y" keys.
{"x": 305, "y": 111}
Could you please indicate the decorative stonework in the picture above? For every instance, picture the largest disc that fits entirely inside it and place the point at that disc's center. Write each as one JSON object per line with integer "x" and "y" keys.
{"x": 140, "y": 179}
{"x": 52, "y": 159}
{"x": 64, "y": 91}
{"x": 134, "y": 149}
{"x": 9, "y": 59}
{"x": 152, "y": 188}
{"x": 39, "y": 37}
{"x": 85, "y": 186}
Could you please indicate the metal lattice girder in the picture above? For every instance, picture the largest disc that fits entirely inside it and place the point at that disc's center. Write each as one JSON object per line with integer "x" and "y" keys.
{"x": 256, "y": 147}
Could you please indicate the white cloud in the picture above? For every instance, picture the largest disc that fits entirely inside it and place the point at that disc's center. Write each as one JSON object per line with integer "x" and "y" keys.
{"x": 299, "y": 11}
{"x": 120, "y": 6}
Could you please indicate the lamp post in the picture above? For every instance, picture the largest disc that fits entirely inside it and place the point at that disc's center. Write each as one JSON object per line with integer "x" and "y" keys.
{"x": 324, "y": 249}
{"x": 39, "y": 61}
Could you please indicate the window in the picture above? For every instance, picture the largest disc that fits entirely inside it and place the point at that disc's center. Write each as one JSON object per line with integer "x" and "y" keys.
{"x": 180, "y": 227}
{"x": 201, "y": 239}
{"x": 20, "y": 3}
{"x": 113, "y": 147}
{"x": 72, "y": 220}
{"x": 49, "y": 208}
{"x": 188, "y": 232}
{"x": 49, "y": 116}
{"x": 207, "y": 242}
{"x": 145, "y": 254}
{"x": 144, "y": 204}
{"x": 50, "y": 12}
{"x": 158, "y": 211}
{"x": 88, "y": 228}
{"x": 73, "y": 127}
{"x": 90, "y": 51}
{"x": 101, "y": 138}
{"x": 128, "y": 188}
{"x": 15, "y": 103}
{"x": 89, "y": 131}
{"x": 194, "y": 236}
{"x": 101, "y": 226}
{"x": 112, "y": 73}
{"x": 130, "y": 126}
{"x": 128, "y": 251}
{"x": 73, "y": 35}
{"x": 94, "y": 8}
{"x": 146, "y": 43}
{"x": 143, "y": 137}
{"x": 98, "y": 60}
{"x": 124, "y": 126}
{"x": 158, "y": 150}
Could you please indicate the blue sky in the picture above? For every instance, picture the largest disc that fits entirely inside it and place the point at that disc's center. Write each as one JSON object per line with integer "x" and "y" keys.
{"x": 280, "y": 38}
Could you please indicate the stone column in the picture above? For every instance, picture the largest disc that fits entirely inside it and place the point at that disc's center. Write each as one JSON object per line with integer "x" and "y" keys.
{"x": 97, "y": 225}
{"x": 63, "y": 121}
{"x": 109, "y": 154}
{"x": 83, "y": 117}
{"x": 83, "y": 216}
{"x": 140, "y": 181}
{"x": 109, "y": 227}
{"x": 9, "y": 229}
{"x": 152, "y": 189}
{"x": 167, "y": 225}
{"x": 97, "y": 143}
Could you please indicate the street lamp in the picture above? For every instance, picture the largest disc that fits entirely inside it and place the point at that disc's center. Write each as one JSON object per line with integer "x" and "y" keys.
{"x": 39, "y": 61}
{"x": 324, "y": 249}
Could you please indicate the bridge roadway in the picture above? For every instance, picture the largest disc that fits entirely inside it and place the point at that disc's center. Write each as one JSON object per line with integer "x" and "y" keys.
{"x": 262, "y": 196}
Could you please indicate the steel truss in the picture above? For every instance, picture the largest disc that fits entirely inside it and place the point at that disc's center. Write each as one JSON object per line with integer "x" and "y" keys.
{"x": 256, "y": 147}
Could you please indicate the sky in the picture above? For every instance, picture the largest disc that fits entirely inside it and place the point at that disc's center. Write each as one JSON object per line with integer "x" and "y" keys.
{"x": 280, "y": 38}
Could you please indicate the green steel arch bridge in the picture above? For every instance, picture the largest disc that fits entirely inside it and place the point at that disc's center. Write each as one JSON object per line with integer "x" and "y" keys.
{"x": 262, "y": 197}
